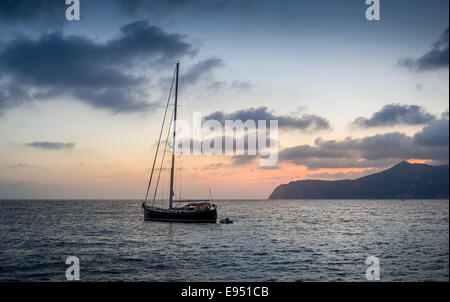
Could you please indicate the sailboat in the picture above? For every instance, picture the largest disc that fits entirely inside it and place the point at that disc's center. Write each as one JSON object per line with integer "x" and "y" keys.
{"x": 188, "y": 210}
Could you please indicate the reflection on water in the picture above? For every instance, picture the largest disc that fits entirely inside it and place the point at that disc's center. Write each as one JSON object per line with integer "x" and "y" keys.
{"x": 303, "y": 240}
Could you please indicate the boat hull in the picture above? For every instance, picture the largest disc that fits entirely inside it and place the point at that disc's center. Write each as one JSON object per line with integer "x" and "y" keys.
{"x": 180, "y": 215}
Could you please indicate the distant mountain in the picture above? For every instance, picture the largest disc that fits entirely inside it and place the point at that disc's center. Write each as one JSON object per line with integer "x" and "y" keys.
{"x": 402, "y": 181}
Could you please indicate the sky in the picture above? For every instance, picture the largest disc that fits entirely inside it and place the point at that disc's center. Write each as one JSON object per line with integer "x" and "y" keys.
{"x": 82, "y": 102}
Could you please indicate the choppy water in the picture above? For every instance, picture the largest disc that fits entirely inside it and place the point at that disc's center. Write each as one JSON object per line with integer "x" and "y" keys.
{"x": 297, "y": 240}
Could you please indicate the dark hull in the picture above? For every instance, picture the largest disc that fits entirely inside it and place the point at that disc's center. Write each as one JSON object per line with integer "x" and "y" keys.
{"x": 180, "y": 215}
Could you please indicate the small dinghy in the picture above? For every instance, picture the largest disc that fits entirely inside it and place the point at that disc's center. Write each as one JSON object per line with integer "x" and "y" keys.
{"x": 226, "y": 221}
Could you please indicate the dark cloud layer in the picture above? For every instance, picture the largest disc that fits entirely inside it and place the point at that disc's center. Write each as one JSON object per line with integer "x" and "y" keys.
{"x": 52, "y": 12}
{"x": 158, "y": 7}
{"x": 436, "y": 58}
{"x": 51, "y": 145}
{"x": 434, "y": 134}
{"x": 99, "y": 74}
{"x": 26, "y": 11}
{"x": 379, "y": 150}
{"x": 306, "y": 122}
{"x": 396, "y": 114}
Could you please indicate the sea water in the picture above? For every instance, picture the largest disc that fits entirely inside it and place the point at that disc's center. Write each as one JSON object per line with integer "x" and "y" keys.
{"x": 270, "y": 240}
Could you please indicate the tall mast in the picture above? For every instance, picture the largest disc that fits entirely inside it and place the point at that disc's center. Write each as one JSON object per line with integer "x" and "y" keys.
{"x": 171, "y": 193}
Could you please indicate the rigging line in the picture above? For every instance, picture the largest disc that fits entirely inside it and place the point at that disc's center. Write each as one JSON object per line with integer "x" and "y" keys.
{"x": 210, "y": 194}
{"x": 185, "y": 92}
{"x": 159, "y": 140}
{"x": 209, "y": 188}
{"x": 164, "y": 154}
{"x": 162, "y": 162}
{"x": 179, "y": 172}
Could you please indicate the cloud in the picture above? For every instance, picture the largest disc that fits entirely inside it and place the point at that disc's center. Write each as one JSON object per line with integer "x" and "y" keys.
{"x": 434, "y": 134}
{"x": 214, "y": 166}
{"x": 52, "y": 12}
{"x": 159, "y": 7}
{"x": 379, "y": 150}
{"x": 238, "y": 144}
{"x": 240, "y": 85}
{"x": 51, "y": 145}
{"x": 49, "y": 12}
{"x": 18, "y": 166}
{"x": 236, "y": 85}
{"x": 101, "y": 75}
{"x": 396, "y": 114}
{"x": 243, "y": 151}
{"x": 12, "y": 95}
{"x": 203, "y": 67}
{"x": 434, "y": 59}
{"x": 242, "y": 160}
{"x": 129, "y": 7}
{"x": 202, "y": 72}
{"x": 306, "y": 122}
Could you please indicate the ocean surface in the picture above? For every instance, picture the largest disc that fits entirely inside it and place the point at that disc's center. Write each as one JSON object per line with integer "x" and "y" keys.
{"x": 270, "y": 240}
